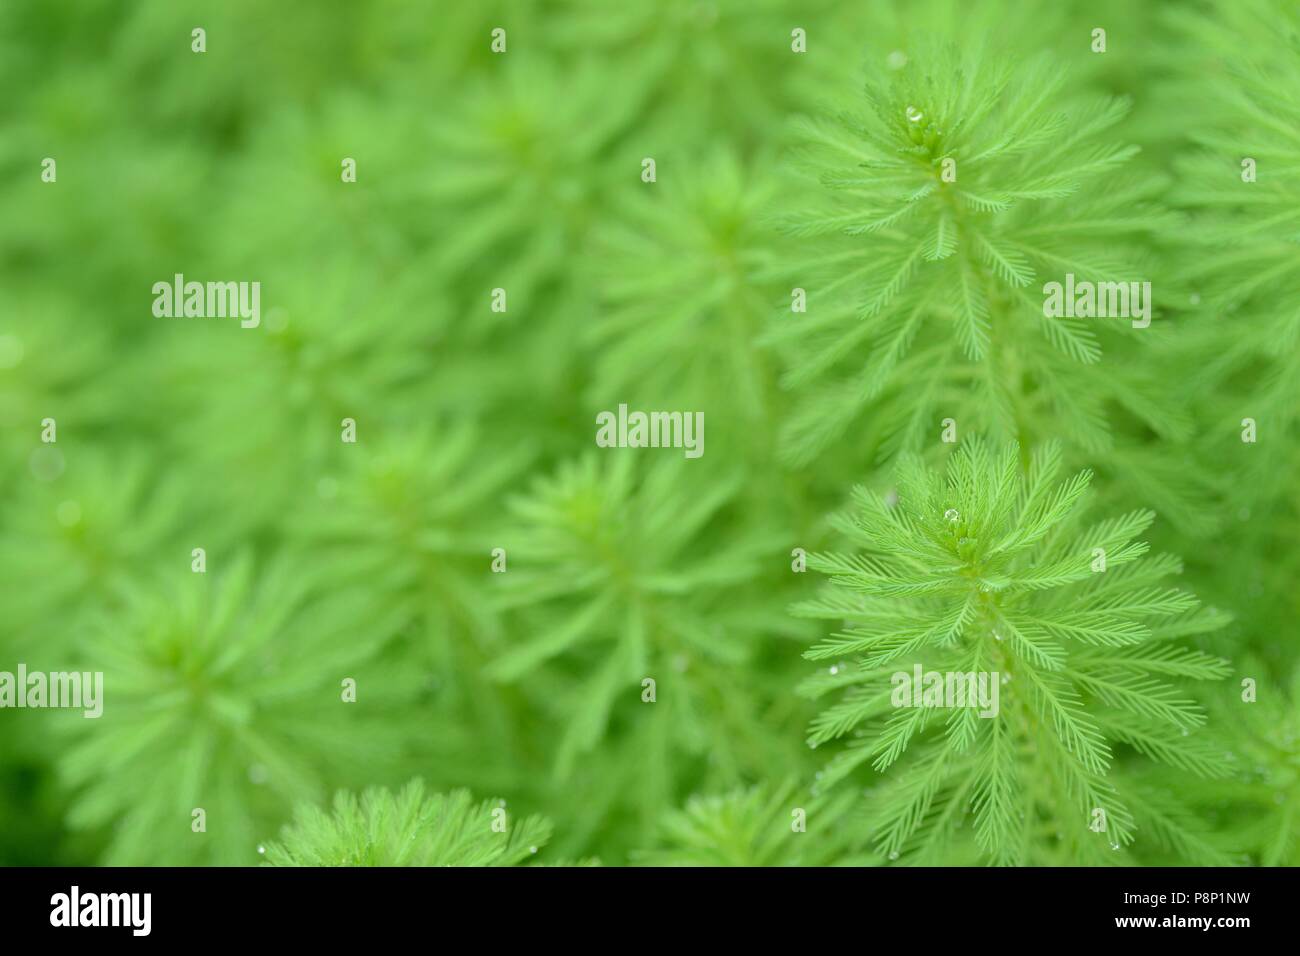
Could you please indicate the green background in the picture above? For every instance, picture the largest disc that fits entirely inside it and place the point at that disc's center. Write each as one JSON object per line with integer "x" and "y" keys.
{"x": 475, "y": 428}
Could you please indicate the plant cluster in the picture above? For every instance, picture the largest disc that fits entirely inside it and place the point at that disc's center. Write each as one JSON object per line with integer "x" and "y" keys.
{"x": 830, "y": 229}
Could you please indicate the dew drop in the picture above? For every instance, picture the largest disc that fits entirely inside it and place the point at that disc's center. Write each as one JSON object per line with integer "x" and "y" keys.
{"x": 997, "y": 635}
{"x": 532, "y": 849}
{"x": 896, "y": 60}
{"x": 893, "y": 855}
{"x": 834, "y": 670}
{"x": 914, "y": 115}
{"x": 953, "y": 515}
{"x": 261, "y": 849}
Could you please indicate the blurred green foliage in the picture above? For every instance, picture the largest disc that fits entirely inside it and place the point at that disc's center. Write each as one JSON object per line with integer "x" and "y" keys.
{"x": 522, "y": 170}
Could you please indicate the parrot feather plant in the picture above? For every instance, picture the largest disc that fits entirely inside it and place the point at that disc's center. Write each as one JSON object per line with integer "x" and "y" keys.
{"x": 618, "y": 592}
{"x": 933, "y": 212}
{"x": 990, "y": 575}
{"x": 228, "y": 705}
{"x": 961, "y": 182}
{"x": 371, "y": 537}
{"x": 408, "y": 828}
{"x": 759, "y": 826}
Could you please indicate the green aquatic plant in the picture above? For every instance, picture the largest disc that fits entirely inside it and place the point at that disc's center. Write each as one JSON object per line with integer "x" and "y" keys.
{"x": 1070, "y": 630}
{"x": 843, "y": 262}
{"x": 955, "y": 189}
{"x": 229, "y": 696}
{"x": 685, "y": 275}
{"x": 613, "y": 583}
{"x": 759, "y": 826}
{"x": 408, "y": 828}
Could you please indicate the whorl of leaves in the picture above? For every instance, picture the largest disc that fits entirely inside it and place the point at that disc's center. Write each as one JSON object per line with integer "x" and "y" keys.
{"x": 989, "y": 570}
